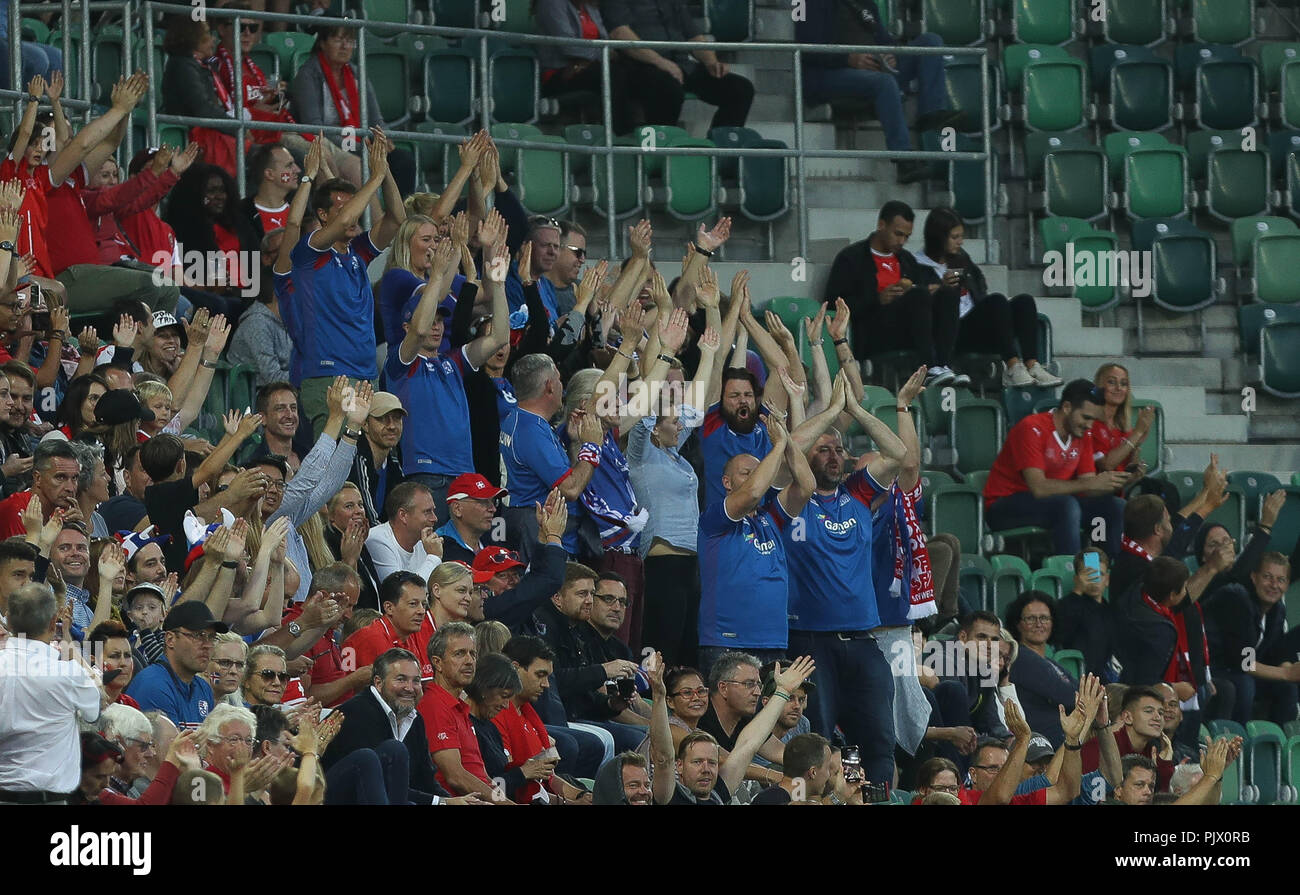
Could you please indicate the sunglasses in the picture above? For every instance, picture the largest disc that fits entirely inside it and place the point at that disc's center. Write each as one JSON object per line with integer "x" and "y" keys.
{"x": 269, "y": 675}
{"x": 250, "y": 27}
{"x": 577, "y": 251}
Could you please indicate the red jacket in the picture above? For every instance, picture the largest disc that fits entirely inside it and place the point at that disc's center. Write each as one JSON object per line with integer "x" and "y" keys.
{"x": 89, "y": 231}
{"x": 158, "y": 793}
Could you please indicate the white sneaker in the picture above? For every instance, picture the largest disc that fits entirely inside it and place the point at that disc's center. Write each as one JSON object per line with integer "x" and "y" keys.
{"x": 1042, "y": 377}
{"x": 938, "y": 376}
{"x": 1016, "y": 376}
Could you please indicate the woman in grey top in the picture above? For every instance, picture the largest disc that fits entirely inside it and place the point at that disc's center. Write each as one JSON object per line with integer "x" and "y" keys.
{"x": 668, "y": 487}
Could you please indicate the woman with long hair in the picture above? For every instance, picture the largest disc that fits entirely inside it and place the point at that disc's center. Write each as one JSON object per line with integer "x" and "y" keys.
{"x": 203, "y": 210}
{"x": 987, "y": 321}
{"x": 77, "y": 409}
{"x": 192, "y": 89}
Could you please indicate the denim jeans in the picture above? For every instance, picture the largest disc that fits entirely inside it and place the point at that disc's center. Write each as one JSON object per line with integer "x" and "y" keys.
{"x": 581, "y": 752}
{"x": 885, "y": 90}
{"x": 38, "y": 59}
{"x": 1063, "y": 515}
{"x": 379, "y": 776}
{"x": 1282, "y": 696}
{"x": 855, "y": 692}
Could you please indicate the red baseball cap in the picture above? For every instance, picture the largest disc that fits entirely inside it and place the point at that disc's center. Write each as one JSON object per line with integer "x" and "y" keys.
{"x": 491, "y": 560}
{"x": 471, "y": 484}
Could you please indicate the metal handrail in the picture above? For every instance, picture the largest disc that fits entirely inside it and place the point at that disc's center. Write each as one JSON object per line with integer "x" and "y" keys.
{"x": 148, "y": 8}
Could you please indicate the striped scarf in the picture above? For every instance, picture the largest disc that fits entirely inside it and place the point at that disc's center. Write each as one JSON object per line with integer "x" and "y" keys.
{"x": 911, "y": 558}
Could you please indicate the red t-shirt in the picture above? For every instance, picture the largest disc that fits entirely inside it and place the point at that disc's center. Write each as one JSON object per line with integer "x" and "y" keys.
{"x": 1035, "y": 444}
{"x": 11, "y": 514}
{"x": 326, "y": 657}
{"x": 153, "y": 239}
{"x": 1105, "y": 438}
{"x": 378, "y": 637}
{"x": 1090, "y": 756}
{"x": 888, "y": 270}
{"x": 272, "y": 218}
{"x": 34, "y": 211}
{"x": 523, "y": 734}
{"x": 447, "y": 725}
{"x": 228, "y": 243}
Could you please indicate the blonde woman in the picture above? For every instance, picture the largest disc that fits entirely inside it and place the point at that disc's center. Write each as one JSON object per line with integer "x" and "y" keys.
{"x": 451, "y": 593}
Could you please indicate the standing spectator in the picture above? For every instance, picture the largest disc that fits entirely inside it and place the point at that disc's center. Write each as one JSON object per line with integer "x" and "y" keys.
{"x": 743, "y": 566}
{"x": 471, "y": 509}
{"x": 70, "y": 555}
{"x": 329, "y": 276}
{"x": 277, "y": 402}
{"x": 1045, "y": 475}
{"x": 988, "y": 323}
{"x": 18, "y": 558}
{"x": 377, "y": 469}
{"x": 667, "y": 77}
{"x": 175, "y": 684}
{"x": 273, "y": 177}
{"x": 408, "y": 541}
{"x": 433, "y": 383}
{"x": 326, "y": 90}
{"x": 1149, "y": 531}
{"x": 732, "y": 427}
{"x": 880, "y": 79}
{"x": 406, "y": 623}
{"x": 1085, "y": 620}
{"x": 567, "y": 270}
{"x": 453, "y": 744}
{"x": 538, "y": 257}
{"x": 1042, "y": 686}
{"x": 894, "y": 299}
{"x": 43, "y": 700}
{"x": 113, "y": 653}
{"x": 226, "y": 668}
{"x": 511, "y": 597}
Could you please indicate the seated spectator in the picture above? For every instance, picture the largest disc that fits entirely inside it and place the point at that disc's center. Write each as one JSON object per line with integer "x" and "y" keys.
{"x": 511, "y": 596}
{"x": 937, "y": 776}
{"x": 202, "y": 211}
{"x": 327, "y": 90}
{"x": 1139, "y": 782}
{"x": 345, "y": 535}
{"x": 39, "y": 743}
{"x": 226, "y": 738}
{"x": 895, "y": 300}
{"x": 453, "y": 744}
{"x": 70, "y": 555}
{"x": 406, "y": 623}
{"x": 880, "y": 79}
{"x": 1042, "y": 686}
{"x": 408, "y": 541}
{"x": 226, "y": 667}
{"x": 54, "y": 484}
{"x": 175, "y": 683}
{"x": 805, "y": 773}
{"x": 667, "y": 76}
{"x": 1245, "y": 627}
{"x": 38, "y": 58}
{"x": 315, "y": 631}
{"x": 193, "y": 90}
{"x": 381, "y": 753}
{"x": 1149, "y": 531}
{"x": 377, "y": 469}
{"x": 981, "y": 634}
{"x": 265, "y": 677}
{"x": 132, "y": 733}
{"x": 577, "y": 69}
{"x": 77, "y": 409}
{"x": 1138, "y": 730}
{"x": 1117, "y": 435}
{"x": 792, "y": 721}
{"x": 1044, "y": 475}
{"x": 145, "y": 607}
{"x": 472, "y": 508}
{"x": 987, "y": 322}
{"x": 1084, "y": 619}
{"x": 18, "y": 558}
{"x": 1173, "y": 712}
{"x": 1213, "y": 538}
{"x": 277, "y": 402}
{"x": 93, "y": 486}
{"x": 452, "y": 594}
{"x": 112, "y": 647}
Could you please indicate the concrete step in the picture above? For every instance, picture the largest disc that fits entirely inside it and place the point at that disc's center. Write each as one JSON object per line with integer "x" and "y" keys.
{"x": 773, "y": 24}
{"x": 1086, "y": 345}
{"x": 1280, "y": 459}
{"x": 770, "y": 279}
{"x": 815, "y": 136}
{"x": 1206, "y": 372}
{"x": 1220, "y": 343}
{"x": 858, "y": 193}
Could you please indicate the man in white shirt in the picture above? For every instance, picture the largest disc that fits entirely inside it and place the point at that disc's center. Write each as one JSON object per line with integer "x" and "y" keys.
{"x": 43, "y": 697}
{"x": 407, "y": 541}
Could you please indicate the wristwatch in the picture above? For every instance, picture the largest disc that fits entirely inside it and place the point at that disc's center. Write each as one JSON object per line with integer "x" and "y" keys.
{"x": 295, "y": 629}
{"x": 306, "y": 178}
{"x": 354, "y": 434}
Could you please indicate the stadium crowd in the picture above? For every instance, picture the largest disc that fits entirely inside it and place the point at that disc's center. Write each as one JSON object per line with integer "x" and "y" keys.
{"x": 509, "y": 526}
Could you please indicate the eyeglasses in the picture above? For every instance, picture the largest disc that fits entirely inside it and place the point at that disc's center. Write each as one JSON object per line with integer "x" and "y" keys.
{"x": 199, "y": 636}
{"x": 698, "y": 691}
{"x": 991, "y": 768}
{"x": 234, "y": 740}
{"x": 269, "y": 675}
{"x": 748, "y": 685}
{"x": 250, "y": 27}
{"x": 274, "y": 484}
{"x": 610, "y": 600}
{"x": 145, "y": 745}
{"x": 577, "y": 250}
{"x": 228, "y": 664}
{"x": 1036, "y": 619}
{"x": 951, "y": 790}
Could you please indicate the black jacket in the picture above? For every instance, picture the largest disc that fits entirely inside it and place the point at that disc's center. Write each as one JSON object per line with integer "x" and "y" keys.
{"x": 369, "y": 598}
{"x": 1089, "y": 627}
{"x": 515, "y": 607}
{"x": 187, "y": 89}
{"x": 366, "y": 726}
{"x": 578, "y": 675}
{"x": 1234, "y": 617}
{"x": 825, "y": 23}
{"x": 1147, "y": 640}
{"x": 495, "y": 758}
{"x": 1129, "y": 569}
{"x": 366, "y": 477}
{"x": 853, "y": 278}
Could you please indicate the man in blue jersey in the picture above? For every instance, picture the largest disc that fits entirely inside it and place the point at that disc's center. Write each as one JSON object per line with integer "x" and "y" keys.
{"x": 744, "y": 579}
{"x": 832, "y": 598}
{"x": 329, "y": 299}
{"x": 535, "y": 459}
{"x": 544, "y": 249}
{"x": 175, "y": 685}
{"x": 431, "y": 386}
{"x": 731, "y": 427}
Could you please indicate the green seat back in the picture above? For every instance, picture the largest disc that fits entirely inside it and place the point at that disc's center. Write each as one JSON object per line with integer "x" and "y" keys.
{"x": 542, "y": 179}
{"x": 1279, "y": 359}
{"x": 1274, "y": 268}
{"x": 1043, "y": 21}
{"x": 1223, "y": 21}
{"x": 1226, "y": 94}
{"x": 689, "y": 180}
{"x": 959, "y": 22}
{"x": 1142, "y": 95}
{"x": 1075, "y": 183}
{"x": 730, "y": 20}
{"x": 1184, "y": 272}
{"x": 1155, "y": 182}
{"x": 1135, "y": 21}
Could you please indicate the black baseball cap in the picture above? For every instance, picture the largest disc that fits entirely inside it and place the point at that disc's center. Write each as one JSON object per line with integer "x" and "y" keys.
{"x": 195, "y": 615}
{"x": 1074, "y": 394}
{"x": 120, "y": 405}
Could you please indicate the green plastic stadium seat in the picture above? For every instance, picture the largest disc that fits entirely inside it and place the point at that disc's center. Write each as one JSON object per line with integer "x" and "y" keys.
{"x": 264, "y": 56}
{"x": 286, "y": 44}
{"x": 1011, "y": 578}
{"x": 518, "y": 132}
{"x": 1186, "y": 481}
{"x": 765, "y": 184}
{"x": 1119, "y": 145}
{"x": 657, "y": 136}
{"x": 1042, "y": 21}
{"x": 689, "y": 182}
{"x": 1232, "y": 515}
{"x": 1018, "y": 403}
{"x": 1184, "y": 271}
{"x": 1262, "y": 761}
{"x": 434, "y": 156}
{"x": 932, "y": 478}
{"x": 1053, "y": 582}
{"x": 1272, "y": 56}
{"x": 1142, "y": 95}
{"x": 1075, "y": 183}
{"x": 389, "y": 72}
{"x": 1246, "y": 230}
{"x": 961, "y": 75}
{"x": 977, "y": 431}
{"x": 1145, "y": 233}
{"x": 36, "y": 31}
{"x": 242, "y": 387}
{"x": 108, "y": 61}
{"x": 450, "y": 75}
{"x": 1222, "y": 727}
{"x": 730, "y": 21}
{"x": 395, "y": 11}
{"x": 1155, "y": 183}
{"x": 456, "y": 13}
{"x": 1289, "y": 89}
{"x": 1226, "y": 94}
{"x": 1273, "y": 264}
{"x": 1061, "y": 562}
{"x": 960, "y": 23}
{"x": 1252, "y": 318}
{"x": 1189, "y": 56}
{"x": 1053, "y": 93}
{"x": 1056, "y": 232}
{"x": 513, "y": 73}
{"x": 517, "y": 16}
{"x": 1291, "y": 763}
{"x": 1255, "y": 485}
{"x": 1292, "y": 201}
{"x": 958, "y": 510}
{"x": 732, "y": 138}
{"x": 1223, "y": 21}
{"x": 542, "y": 179}
{"x": 1153, "y": 449}
{"x": 1279, "y": 359}
{"x": 1238, "y": 184}
{"x": 1098, "y": 296}
{"x": 1072, "y": 661}
{"x": 975, "y": 581}
{"x": 1135, "y": 21}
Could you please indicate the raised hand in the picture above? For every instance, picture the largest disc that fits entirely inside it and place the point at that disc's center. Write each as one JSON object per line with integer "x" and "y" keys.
{"x": 526, "y": 263}
{"x": 672, "y": 333}
{"x": 218, "y": 333}
{"x": 377, "y": 153}
{"x": 359, "y": 407}
{"x": 181, "y": 161}
{"x": 311, "y": 163}
{"x": 498, "y": 263}
{"x": 54, "y": 89}
{"x": 659, "y": 290}
{"x": 335, "y": 395}
{"x": 12, "y": 193}
{"x": 112, "y": 562}
{"x": 492, "y": 229}
{"x": 792, "y": 677}
{"x": 236, "y": 538}
{"x": 814, "y": 324}
{"x": 170, "y": 585}
{"x": 706, "y": 288}
{"x": 1271, "y": 507}
{"x": 592, "y": 278}
{"x": 839, "y": 324}
{"x": 352, "y": 542}
{"x": 710, "y": 341}
{"x": 124, "y": 331}
{"x": 712, "y": 240}
{"x": 776, "y": 432}
{"x": 913, "y": 387}
{"x": 471, "y": 151}
{"x": 460, "y": 230}
{"x": 489, "y": 165}
{"x": 182, "y": 752}
{"x": 36, "y": 87}
{"x": 777, "y": 328}
{"x": 1016, "y": 722}
{"x": 639, "y": 236}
